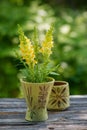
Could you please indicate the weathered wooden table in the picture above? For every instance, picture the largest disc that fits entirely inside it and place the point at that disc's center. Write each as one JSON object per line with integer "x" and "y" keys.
{"x": 12, "y": 113}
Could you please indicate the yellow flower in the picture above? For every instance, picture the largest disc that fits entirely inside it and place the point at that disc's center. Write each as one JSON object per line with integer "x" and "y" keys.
{"x": 27, "y": 49}
{"x": 47, "y": 44}
{"x": 36, "y": 56}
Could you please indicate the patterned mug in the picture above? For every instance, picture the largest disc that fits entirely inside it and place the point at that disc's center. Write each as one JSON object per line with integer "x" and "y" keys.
{"x": 59, "y": 97}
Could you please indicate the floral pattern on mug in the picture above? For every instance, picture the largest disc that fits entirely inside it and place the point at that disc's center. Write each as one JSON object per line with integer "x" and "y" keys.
{"x": 42, "y": 96}
{"x": 58, "y": 96}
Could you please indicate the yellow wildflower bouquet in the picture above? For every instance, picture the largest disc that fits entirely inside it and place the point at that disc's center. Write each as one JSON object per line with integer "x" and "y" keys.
{"x": 35, "y": 56}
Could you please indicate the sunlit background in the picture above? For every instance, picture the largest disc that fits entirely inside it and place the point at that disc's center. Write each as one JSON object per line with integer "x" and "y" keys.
{"x": 70, "y": 40}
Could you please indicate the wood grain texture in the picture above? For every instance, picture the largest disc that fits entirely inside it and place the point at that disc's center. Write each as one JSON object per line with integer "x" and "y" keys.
{"x": 12, "y": 116}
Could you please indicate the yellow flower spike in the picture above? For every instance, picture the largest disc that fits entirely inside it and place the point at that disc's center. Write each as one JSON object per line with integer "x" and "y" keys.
{"x": 47, "y": 44}
{"x": 26, "y": 48}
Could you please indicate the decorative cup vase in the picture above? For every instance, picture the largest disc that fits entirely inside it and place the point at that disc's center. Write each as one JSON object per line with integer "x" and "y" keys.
{"x": 59, "y": 97}
{"x": 37, "y": 95}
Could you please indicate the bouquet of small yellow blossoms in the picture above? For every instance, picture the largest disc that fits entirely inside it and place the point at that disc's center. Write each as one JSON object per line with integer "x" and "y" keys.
{"x": 36, "y": 56}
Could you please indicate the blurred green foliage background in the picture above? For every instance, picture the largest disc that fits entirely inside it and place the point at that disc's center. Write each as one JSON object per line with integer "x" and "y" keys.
{"x": 70, "y": 39}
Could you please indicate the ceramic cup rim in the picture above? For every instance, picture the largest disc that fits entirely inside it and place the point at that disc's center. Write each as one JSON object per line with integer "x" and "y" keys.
{"x": 22, "y": 80}
{"x": 61, "y": 83}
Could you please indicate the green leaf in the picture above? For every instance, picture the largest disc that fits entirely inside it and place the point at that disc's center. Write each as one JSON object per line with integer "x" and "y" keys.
{"x": 54, "y": 73}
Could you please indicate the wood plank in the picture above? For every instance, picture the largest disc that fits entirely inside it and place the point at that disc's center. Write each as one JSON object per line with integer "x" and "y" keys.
{"x": 46, "y": 127}
{"x": 12, "y": 114}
